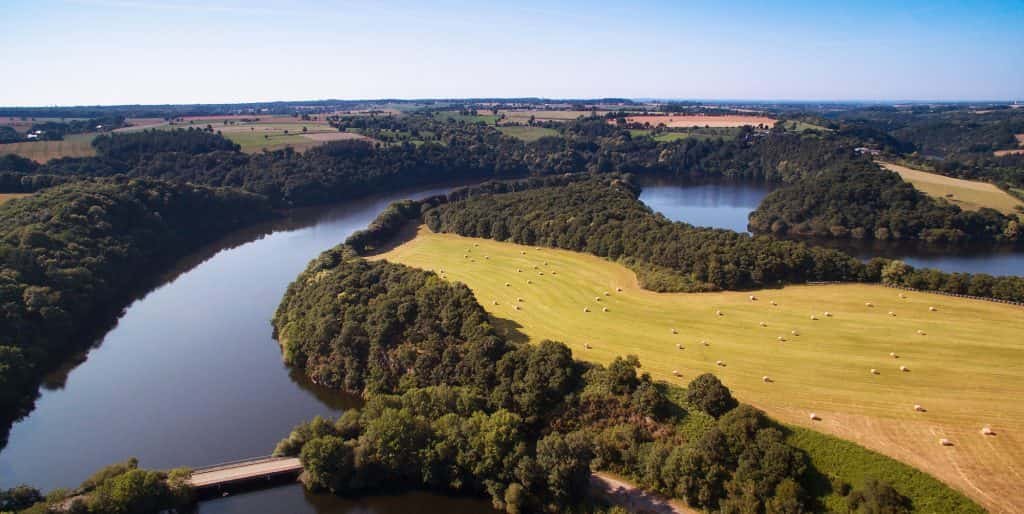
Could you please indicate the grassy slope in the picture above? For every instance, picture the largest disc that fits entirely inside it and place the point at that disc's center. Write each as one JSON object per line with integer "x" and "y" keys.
{"x": 76, "y": 145}
{"x": 968, "y": 194}
{"x": 965, "y": 371}
{"x": 527, "y": 133}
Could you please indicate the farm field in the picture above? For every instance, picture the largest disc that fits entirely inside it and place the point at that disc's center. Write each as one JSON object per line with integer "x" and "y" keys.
{"x": 680, "y": 120}
{"x": 966, "y": 370}
{"x": 968, "y": 194}
{"x": 523, "y": 116}
{"x": 482, "y": 116}
{"x": 1020, "y": 143}
{"x": 257, "y": 133}
{"x": 700, "y": 133}
{"x": 4, "y": 197}
{"x": 75, "y": 145}
{"x": 527, "y": 133}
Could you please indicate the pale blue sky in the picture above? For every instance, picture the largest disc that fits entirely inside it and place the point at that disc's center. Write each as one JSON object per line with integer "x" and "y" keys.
{"x": 63, "y": 52}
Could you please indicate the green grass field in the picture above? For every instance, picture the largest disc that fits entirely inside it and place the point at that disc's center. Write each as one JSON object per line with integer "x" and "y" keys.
{"x": 702, "y": 133}
{"x": 489, "y": 119}
{"x": 966, "y": 370}
{"x": 968, "y": 194}
{"x": 75, "y": 145}
{"x": 800, "y": 126}
{"x": 527, "y": 133}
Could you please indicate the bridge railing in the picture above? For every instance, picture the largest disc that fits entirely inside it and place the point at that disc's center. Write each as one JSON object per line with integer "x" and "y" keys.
{"x": 235, "y": 463}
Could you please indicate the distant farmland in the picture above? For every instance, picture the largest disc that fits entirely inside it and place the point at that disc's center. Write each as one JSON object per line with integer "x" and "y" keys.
{"x": 76, "y": 145}
{"x": 731, "y": 120}
{"x": 527, "y": 133}
{"x": 4, "y": 197}
{"x": 1020, "y": 143}
{"x": 258, "y": 133}
{"x": 968, "y": 194}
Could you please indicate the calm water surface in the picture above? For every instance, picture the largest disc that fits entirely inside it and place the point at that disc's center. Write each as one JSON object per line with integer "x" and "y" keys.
{"x": 191, "y": 376}
{"x": 727, "y": 205}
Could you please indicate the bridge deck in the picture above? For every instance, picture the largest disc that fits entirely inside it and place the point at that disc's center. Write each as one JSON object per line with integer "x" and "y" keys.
{"x": 245, "y": 470}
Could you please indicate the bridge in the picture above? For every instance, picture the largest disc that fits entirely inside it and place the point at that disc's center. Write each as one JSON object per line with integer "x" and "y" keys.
{"x": 241, "y": 471}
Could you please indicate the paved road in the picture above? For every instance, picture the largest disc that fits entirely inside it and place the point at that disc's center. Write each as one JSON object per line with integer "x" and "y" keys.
{"x": 233, "y": 473}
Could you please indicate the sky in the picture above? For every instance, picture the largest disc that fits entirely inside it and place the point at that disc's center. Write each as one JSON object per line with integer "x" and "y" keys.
{"x": 99, "y": 52}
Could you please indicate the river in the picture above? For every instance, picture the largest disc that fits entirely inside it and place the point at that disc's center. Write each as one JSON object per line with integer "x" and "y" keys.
{"x": 727, "y": 205}
{"x": 190, "y": 375}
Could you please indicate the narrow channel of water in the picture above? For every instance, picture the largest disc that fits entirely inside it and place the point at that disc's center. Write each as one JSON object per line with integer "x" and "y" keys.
{"x": 728, "y": 205}
{"x": 190, "y": 375}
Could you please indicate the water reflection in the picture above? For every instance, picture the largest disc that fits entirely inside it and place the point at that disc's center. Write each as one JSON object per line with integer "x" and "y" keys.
{"x": 717, "y": 204}
{"x": 294, "y": 499}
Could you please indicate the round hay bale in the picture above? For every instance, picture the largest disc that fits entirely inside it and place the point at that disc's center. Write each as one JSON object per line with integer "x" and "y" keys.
{"x": 945, "y": 442}
{"x": 719, "y": 313}
{"x": 904, "y": 368}
{"x": 604, "y": 309}
{"x": 507, "y": 284}
{"x": 536, "y": 266}
{"x": 763, "y": 324}
{"x": 618, "y": 289}
{"x": 522, "y": 252}
{"x": 516, "y": 307}
{"x": 705, "y": 342}
{"x": 529, "y": 281}
{"x": 753, "y": 298}
{"x": 674, "y": 331}
{"x": 813, "y": 317}
{"x": 540, "y": 273}
{"x": 766, "y": 379}
{"x": 495, "y": 302}
{"x": 781, "y": 339}
{"x": 902, "y": 295}
{"x": 476, "y": 244}
{"x": 606, "y": 293}
{"x": 465, "y": 256}
{"x": 586, "y": 309}
{"x": 918, "y": 408}
{"x": 987, "y": 430}
{"x": 814, "y": 417}
{"x": 720, "y": 363}
{"x": 488, "y": 257}
{"x": 586, "y": 345}
{"x": 675, "y": 372}
{"x": 874, "y": 371}
{"x": 597, "y": 298}
{"x": 920, "y": 332}
{"x": 891, "y": 313}
{"x": 519, "y": 299}
{"x": 554, "y": 272}
{"x": 795, "y": 332}
{"x": 679, "y": 346}
{"x": 893, "y": 355}
{"x": 869, "y": 304}
{"x": 772, "y": 302}
{"x": 932, "y": 309}
{"x": 828, "y": 314}
{"x": 519, "y": 270}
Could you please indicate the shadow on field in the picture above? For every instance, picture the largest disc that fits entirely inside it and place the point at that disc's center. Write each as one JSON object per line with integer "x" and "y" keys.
{"x": 509, "y": 329}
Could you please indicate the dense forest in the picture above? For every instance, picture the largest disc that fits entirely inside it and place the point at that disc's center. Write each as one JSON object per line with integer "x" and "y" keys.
{"x": 71, "y": 256}
{"x": 454, "y": 407}
{"x": 828, "y": 190}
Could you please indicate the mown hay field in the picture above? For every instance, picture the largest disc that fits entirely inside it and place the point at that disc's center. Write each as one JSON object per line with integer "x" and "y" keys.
{"x": 966, "y": 368}
{"x": 968, "y": 194}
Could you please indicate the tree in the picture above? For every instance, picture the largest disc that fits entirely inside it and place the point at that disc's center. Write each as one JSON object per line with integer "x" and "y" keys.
{"x": 708, "y": 394}
{"x": 877, "y": 497}
{"x": 328, "y": 463}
